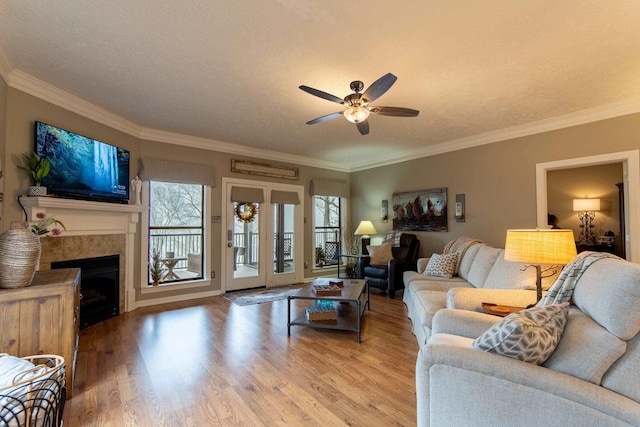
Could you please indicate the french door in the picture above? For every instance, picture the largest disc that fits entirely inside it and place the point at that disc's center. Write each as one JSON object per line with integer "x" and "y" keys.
{"x": 263, "y": 241}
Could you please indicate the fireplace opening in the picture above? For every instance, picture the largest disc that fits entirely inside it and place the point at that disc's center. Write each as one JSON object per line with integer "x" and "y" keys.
{"x": 99, "y": 287}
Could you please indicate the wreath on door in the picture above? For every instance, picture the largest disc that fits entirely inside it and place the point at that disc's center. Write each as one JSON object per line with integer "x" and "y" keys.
{"x": 245, "y": 212}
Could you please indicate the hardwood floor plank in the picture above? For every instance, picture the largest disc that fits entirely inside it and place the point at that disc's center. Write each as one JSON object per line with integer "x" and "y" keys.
{"x": 212, "y": 363}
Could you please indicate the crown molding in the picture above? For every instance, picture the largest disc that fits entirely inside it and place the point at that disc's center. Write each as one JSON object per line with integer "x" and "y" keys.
{"x": 604, "y": 112}
{"x": 240, "y": 150}
{"x": 36, "y": 87}
{"x": 33, "y": 86}
{"x": 5, "y": 65}
{"x": 40, "y": 89}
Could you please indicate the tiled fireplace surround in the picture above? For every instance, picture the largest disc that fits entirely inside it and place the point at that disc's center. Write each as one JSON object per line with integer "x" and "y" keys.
{"x": 94, "y": 229}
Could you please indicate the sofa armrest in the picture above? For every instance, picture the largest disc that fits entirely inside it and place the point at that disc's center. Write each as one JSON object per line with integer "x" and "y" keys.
{"x": 362, "y": 263}
{"x": 422, "y": 264}
{"x": 472, "y": 298}
{"x": 463, "y": 323}
{"x": 448, "y": 377}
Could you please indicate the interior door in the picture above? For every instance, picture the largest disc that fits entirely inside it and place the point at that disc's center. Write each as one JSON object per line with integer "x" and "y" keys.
{"x": 263, "y": 223}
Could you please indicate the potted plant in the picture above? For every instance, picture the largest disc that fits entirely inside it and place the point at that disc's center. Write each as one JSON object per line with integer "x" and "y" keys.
{"x": 155, "y": 267}
{"x": 37, "y": 167}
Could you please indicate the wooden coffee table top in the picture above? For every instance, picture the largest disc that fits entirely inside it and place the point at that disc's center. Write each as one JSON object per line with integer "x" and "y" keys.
{"x": 351, "y": 290}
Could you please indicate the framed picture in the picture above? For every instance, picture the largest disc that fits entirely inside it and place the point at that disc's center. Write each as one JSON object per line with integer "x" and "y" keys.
{"x": 423, "y": 210}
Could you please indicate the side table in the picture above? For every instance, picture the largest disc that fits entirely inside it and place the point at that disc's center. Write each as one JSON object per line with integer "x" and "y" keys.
{"x": 352, "y": 271}
{"x": 500, "y": 310}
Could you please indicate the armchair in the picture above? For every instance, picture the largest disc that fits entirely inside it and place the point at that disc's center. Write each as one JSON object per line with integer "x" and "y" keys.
{"x": 388, "y": 277}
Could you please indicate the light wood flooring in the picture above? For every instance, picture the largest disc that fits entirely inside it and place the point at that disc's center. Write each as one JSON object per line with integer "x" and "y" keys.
{"x": 212, "y": 363}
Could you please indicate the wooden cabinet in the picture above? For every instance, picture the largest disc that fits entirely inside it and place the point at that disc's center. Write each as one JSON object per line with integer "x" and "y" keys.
{"x": 43, "y": 318}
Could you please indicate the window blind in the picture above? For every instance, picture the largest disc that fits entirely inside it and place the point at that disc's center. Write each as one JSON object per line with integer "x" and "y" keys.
{"x": 183, "y": 173}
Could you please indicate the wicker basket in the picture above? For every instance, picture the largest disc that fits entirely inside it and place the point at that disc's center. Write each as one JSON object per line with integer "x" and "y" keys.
{"x": 19, "y": 256}
{"x": 36, "y": 396}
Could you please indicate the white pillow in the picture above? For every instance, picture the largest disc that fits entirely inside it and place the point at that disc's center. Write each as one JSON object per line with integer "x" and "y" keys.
{"x": 442, "y": 265}
{"x": 380, "y": 254}
{"x": 529, "y": 335}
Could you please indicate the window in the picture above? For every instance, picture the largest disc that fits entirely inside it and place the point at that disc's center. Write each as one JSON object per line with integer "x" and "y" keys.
{"x": 328, "y": 229}
{"x": 176, "y": 231}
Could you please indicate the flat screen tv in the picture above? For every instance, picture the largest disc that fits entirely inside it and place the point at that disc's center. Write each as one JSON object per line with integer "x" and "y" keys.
{"x": 81, "y": 167}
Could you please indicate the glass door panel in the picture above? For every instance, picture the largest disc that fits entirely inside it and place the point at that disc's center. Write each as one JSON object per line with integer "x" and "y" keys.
{"x": 263, "y": 242}
{"x": 246, "y": 241}
{"x": 284, "y": 239}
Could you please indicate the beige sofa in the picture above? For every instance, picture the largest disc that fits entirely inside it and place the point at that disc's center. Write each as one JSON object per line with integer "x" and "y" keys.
{"x": 591, "y": 379}
{"x": 483, "y": 276}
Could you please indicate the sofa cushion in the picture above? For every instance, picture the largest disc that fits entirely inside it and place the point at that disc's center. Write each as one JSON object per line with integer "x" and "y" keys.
{"x": 529, "y": 335}
{"x": 380, "y": 254}
{"x": 442, "y": 265}
{"x": 611, "y": 299}
{"x": 467, "y": 260}
{"x": 586, "y": 349}
{"x": 624, "y": 376}
{"x": 430, "y": 283}
{"x": 376, "y": 271}
{"x": 482, "y": 264}
{"x": 428, "y": 303}
{"x": 512, "y": 275}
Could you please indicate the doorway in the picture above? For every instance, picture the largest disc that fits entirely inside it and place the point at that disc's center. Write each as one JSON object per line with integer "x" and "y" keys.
{"x": 631, "y": 177}
{"x": 264, "y": 241}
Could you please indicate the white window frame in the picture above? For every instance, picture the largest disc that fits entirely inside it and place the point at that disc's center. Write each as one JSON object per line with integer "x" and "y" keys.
{"x": 144, "y": 249}
{"x": 343, "y": 221}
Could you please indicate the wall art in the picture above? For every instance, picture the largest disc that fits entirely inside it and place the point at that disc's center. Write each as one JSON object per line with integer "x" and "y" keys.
{"x": 423, "y": 210}
{"x": 264, "y": 169}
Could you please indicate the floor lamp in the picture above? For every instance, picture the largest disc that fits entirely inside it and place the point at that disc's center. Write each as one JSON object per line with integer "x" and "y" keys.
{"x": 552, "y": 248}
{"x": 364, "y": 230}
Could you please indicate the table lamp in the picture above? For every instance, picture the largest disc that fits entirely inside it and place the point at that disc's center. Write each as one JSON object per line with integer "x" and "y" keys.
{"x": 586, "y": 209}
{"x": 364, "y": 230}
{"x": 540, "y": 247}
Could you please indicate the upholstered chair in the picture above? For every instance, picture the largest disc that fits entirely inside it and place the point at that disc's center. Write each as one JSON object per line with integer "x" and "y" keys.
{"x": 388, "y": 276}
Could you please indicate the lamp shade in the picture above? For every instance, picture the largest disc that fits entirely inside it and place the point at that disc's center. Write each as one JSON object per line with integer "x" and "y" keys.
{"x": 581, "y": 205}
{"x": 549, "y": 247}
{"x": 365, "y": 228}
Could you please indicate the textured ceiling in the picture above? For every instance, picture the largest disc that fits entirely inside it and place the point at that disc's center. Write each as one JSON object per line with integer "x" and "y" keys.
{"x": 229, "y": 71}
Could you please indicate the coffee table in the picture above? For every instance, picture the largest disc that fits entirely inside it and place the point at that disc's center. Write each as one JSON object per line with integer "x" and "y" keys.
{"x": 350, "y": 306}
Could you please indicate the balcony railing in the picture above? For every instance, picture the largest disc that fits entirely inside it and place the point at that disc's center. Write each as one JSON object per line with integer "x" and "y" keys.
{"x": 327, "y": 245}
{"x": 182, "y": 243}
{"x": 247, "y": 249}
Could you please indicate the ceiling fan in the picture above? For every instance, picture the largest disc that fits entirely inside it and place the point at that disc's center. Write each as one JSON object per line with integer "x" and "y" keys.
{"x": 357, "y": 104}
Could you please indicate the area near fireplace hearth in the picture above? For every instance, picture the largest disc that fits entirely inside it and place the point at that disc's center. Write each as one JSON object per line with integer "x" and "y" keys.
{"x": 94, "y": 229}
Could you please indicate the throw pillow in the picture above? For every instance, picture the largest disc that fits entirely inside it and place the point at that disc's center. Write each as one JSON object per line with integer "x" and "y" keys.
{"x": 442, "y": 265}
{"x": 380, "y": 254}
{"x": 529, "y": 335}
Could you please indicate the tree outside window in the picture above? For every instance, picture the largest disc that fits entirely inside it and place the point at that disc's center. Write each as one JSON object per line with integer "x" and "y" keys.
{"x": 176, "y": 229}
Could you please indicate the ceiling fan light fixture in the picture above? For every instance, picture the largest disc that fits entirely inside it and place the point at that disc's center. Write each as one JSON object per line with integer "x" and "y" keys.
{"x": 356, "y": 114}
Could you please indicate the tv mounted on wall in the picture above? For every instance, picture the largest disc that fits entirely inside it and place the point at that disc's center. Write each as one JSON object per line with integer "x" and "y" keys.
{"x": 81, "y": 167}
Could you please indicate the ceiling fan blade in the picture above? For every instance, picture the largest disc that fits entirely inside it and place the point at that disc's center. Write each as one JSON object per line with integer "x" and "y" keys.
{"x": 321, "y": 94}
{"x": 379, "y": 87}
{"x": 363, "y": 127}
{"x": 394, "y": 111}
{"x": 325, "y": 118}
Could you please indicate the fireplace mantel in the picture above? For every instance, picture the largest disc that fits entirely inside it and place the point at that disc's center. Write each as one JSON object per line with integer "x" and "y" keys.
{"x": 84, "y": 218}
